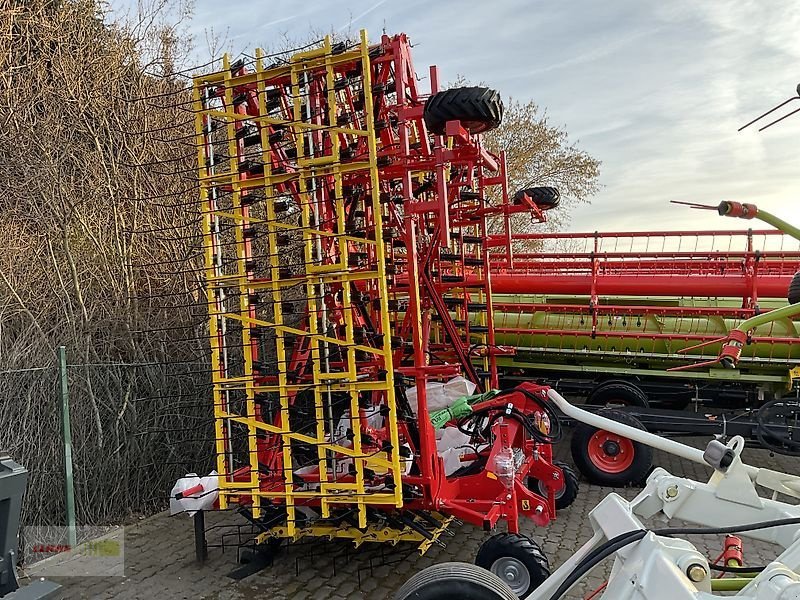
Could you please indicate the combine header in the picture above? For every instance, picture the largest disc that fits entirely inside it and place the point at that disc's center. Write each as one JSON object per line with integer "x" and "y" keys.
{"x": 347, "y": 260}
{"x": 587, "y": 307}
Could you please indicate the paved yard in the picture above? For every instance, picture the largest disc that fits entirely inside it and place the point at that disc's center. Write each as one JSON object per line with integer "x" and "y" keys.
{"x": 159, "y": 556}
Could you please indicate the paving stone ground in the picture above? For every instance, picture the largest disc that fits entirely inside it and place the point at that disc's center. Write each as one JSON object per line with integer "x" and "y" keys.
{"x": 160, "y": 563}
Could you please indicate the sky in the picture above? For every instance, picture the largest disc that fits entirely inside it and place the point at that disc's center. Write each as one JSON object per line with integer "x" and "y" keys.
{"x": 655, "y": 90}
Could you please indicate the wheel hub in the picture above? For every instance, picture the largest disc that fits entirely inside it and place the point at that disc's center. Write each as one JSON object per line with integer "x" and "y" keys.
{"x": 610, "y": 453}
{"x": 611, "y": 447}
{"x": 543, "y": 491}
{"x": 514, "y": 573}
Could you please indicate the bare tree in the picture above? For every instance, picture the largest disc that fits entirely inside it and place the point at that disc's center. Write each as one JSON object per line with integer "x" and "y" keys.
{"x": 540, "y": 154}
{"x": 98, "y": 225}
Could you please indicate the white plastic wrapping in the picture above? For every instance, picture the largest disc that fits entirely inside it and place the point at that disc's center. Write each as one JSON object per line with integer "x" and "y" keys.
{"x": 452, "y": 445}
{"x": 200, "y": 500}
{"x": 374, "y": 420}
{"x": 442, "y": 395}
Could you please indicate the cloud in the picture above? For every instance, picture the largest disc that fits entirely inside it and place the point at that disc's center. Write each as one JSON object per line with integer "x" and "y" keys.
{"x": 656, "y": 90}
{"x": 593, "y": 54}
{"x": 279, "y": 21}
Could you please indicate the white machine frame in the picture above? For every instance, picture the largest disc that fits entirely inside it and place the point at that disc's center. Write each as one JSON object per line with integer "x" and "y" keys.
{"x": 657, "y": 567}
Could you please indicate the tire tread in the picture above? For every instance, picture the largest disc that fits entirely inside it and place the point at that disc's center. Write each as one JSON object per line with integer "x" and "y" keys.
{"x": 454, "y": 572}
{"x": 518, "y": 546}
{"x": 480, "y": 104}
{"x": 545, "y": 197}
{"x": 626, "y": 391}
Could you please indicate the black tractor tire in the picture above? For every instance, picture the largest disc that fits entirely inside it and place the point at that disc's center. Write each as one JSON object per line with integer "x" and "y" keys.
{"x": 569, "y": 491}
{"x": 516, "y": 560}
{"x": 617, "y": 393}
{"x": 607, "y": 459}
{"x": 794, "y": 289}
{"x": 447, "y": 581}
{"x": 543, "y": 197}
{"x": 479, "y": 109}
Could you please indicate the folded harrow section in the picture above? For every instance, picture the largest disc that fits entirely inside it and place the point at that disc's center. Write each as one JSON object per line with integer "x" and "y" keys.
{"x": 296, "y": 282}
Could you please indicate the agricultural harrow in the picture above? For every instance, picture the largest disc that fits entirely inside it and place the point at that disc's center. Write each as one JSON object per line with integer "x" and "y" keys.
{"x": 348, "y": 278}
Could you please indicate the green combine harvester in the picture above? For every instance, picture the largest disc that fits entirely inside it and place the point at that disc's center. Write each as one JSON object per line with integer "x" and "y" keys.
{"x": 583, "y": 310}
{"x": 637, "y": 324}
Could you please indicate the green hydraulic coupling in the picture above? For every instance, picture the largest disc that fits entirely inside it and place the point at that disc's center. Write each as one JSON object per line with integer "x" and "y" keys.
{"x": 459, "y": 409}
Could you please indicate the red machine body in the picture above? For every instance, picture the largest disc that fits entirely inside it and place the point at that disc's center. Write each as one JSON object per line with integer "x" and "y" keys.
{"x": 428, "y": 236}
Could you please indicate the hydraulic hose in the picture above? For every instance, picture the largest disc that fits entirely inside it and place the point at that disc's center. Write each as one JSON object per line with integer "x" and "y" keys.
{"x": 767, "y": 436}
{"x": 632, "y": 433}
{"x": 751, "y": 211}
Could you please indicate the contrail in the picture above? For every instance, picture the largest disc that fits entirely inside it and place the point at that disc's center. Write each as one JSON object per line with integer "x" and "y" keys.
{"x": 363, "y": 14}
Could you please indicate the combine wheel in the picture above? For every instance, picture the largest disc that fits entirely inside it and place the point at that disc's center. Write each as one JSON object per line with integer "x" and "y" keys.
{"x": 568, "y": 492}
{"x": 605, "y": 458}
{"x": 447, "y": 581}
{"x": 479, "y": 109}
{"x": 617, "y": 393}
{"x": 516, "y": 559}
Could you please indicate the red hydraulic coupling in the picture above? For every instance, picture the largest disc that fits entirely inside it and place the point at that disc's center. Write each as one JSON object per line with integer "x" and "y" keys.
{"x": 726, "y": 208}
{"x": 187, "y": 493}
{"x": 737, "y": 209}
{"x": 733, "y": 555}
{"x": 732, "y": 349}
{"x": 728, "y": 356}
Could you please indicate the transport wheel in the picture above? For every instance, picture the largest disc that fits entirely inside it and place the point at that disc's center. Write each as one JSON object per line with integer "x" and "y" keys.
{"x": 543, "y": 197}
{"x": 516, "y": 559}
{"x": 794, "y": 289}
{"x": 448, "y": 581}
{"x": 605, "y": 458}
{"x": 617, "y": 393}
{"x": 568, "y": 492}
{"x": 479, "y": 109}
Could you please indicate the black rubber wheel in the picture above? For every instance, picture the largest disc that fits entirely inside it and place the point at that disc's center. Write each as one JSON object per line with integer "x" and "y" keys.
{"x": 617, "y": 393}
{"x": 567, "y": 494}
{"x": 516, "y": 560}
{"x": 544, "y": 197}
{"x": 794, "y": 289}
{"x": 448, "y": 581}
{"x": 608, "y": 459}
{"x": 479, "y": 109}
